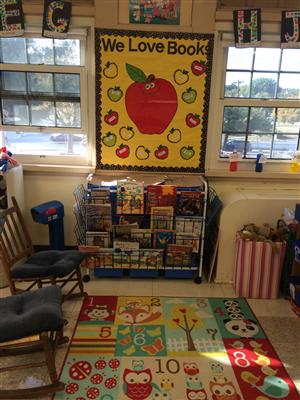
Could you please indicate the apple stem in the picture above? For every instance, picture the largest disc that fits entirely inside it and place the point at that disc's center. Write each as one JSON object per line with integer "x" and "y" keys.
{"x": 150, "y": 78}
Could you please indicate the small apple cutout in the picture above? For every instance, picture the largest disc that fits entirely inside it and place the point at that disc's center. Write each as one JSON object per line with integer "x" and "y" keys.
{"x": 174, "y": 135}
{"x": 109, "y": 139}
{"x": 181, "y": 76}
{"x": 115, "y": 94}
{"x": 161, "y": 152}
{"x": 187, "y": 152}
{"x": 151, "y": 102}
{"x": 189, "y": 96}
{"x": 123, "y": 151}
{"x": 142, "y": 153}
{"x": 111, "y": 117}
{"x": 110, "y": 70}
{"x": 126, "y": 132}
{"x": 198, "y": 67}
{"x": 192, "y": 120}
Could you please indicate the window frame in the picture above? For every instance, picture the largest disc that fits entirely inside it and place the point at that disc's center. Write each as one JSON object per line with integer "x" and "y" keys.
{"x": 84, "y": 71}
{"x": 214, "y": 162}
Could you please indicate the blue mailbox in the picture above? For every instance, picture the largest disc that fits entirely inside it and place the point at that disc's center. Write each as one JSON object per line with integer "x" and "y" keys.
{"x": 51, "y": 214}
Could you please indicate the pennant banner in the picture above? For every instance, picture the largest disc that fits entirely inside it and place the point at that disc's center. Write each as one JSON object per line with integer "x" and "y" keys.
{"x": 247, "y": 27}
{"x": 290, "y": 26}
{"x": 56, "y": 20}
{"x": 11, "y": 18}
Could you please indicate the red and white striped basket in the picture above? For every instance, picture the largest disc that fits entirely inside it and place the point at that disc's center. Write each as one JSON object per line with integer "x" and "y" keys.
{"x": 258, "y": 268}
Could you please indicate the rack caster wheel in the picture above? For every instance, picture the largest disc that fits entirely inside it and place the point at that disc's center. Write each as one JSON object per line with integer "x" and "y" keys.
{"x": 86, "y": 278}
{"x": 198, "y": 280}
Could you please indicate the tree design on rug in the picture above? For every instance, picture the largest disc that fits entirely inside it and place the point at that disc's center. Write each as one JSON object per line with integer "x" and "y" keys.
{"x": 186, "y": 319}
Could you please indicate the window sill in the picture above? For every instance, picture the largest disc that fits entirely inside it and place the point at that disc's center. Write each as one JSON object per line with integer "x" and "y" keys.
{"x": 49, "y": 169}
{"x": 215, "y": 174}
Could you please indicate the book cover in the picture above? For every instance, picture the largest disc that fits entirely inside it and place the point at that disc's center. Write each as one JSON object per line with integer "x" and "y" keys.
{"x": 104, "y": 258}
{"x": 189, "y": 224}
{"x": 151, "y": 259}
{"x": 98, "y": 217}
{"x": 190, "y": 203}
{"x": 160, "y": 196}
{"x": 161, "y": 238}
{"x": 188, "y": 239}
{"x": 123, "y": 231}
{"x": 100, "y": 196}
{"x": 100, "y": 239}
{"x": 130, "y": 197}
{"x": 143, "y": 237}
{"x": 126, "y": 254}
{"x": 162, "y": 218}
{"x": 179, "y": 255}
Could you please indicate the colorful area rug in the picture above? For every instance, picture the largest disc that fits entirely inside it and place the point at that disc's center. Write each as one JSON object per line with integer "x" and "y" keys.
{"x": 170, "y": 348}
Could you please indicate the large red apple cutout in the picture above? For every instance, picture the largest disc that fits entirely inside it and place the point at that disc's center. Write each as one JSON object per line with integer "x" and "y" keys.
{"x": 151, "y": 102}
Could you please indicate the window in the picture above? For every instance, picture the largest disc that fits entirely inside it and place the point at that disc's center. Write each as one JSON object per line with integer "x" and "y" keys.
{"x": 42, "y": 90}
{"x": 261, "y": 103}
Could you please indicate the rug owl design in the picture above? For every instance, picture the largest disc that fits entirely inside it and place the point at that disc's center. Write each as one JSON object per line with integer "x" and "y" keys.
{"x": 196, "y": 394}
{"x": 138, "y": 384}
{"x": 223, "y": 390}
{"x": 191, "y": 368}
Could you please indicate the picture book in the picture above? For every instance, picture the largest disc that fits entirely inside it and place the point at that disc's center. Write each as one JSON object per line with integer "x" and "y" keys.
{"x": 98, "y": 217}
{"x": 100, "y": 239}
{"x": 179, "y": 256}
{"x": 104, "y": 258}
{"x": 123, "y": 231}
{"x": 143, "y": 237}
{"x": 189, "y": 224}
{"x": 160, "y": 196}
{"x": 130, "y": 197}
{"x": 161, "y": 238}
{"x": 125, "y": 246}
{"x": 162, "y": 218}
{"x": 190, "y": 203}
{"x": 188, "y": 239}
{"x": 99, "y": 196}
{"x": 151, "y": 259}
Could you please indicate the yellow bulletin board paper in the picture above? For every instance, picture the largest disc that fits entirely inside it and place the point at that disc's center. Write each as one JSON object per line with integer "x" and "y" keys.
{"x": 152, "y": 97}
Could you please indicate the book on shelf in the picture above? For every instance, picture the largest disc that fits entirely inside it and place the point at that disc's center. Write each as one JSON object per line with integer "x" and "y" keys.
{"x": 188, "y": 239}
{"x": 105, "y": 258}
{"x": 162, "y": 237}
{"x": 130, "y": 197}
{"x": 98, "y": 217}
{"x": 190, "y": 203}
{"x": 123, "y": 231}
{"x": 160, "y": 196}
{"x": 189, "y": 224}
{"x": 126, "y": 254}
{"x": 151, "y": 259}
{"x": 99, "y": 196}
{"x": 179, "y": 255}
{"x": 143, "y": 237}
{"x": 100, "y": 239}
{"x": 162, "y": 218}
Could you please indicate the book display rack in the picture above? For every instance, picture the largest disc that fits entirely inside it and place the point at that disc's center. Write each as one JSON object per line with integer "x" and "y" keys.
{"x": 142, "y": 230}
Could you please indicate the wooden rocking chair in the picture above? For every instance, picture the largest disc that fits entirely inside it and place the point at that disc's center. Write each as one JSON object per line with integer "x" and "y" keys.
{"x": 41, "y": 268}
{"x": 22, "y": 316}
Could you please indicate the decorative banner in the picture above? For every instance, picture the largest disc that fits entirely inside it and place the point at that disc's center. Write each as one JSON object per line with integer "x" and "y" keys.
{"x": 56, "y": 20}
{"x": 152, "y": 94}
{"x": 290, "y": 26}
{"x": 247, "y": 27}
{"x": 11, "y": 18}
{"x": 154, "y": 12}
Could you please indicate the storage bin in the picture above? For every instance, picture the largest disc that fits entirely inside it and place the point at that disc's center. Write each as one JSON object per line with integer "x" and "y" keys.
{"x": 258, "y": 268}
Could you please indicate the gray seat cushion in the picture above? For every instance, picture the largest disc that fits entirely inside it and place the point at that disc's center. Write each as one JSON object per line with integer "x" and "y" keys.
{"x": 45, "y": 263}
{"x": 30, "y": 313}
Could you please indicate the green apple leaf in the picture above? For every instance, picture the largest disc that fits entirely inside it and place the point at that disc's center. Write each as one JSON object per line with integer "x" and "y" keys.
{"x": 136, "y": 74}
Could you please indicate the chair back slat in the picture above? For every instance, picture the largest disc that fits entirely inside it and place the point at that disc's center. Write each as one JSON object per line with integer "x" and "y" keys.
{"x": 15, "y": 242}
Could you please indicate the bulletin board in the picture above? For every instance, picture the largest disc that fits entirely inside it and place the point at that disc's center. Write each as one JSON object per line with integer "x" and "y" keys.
{"x": 152, "y": 97}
